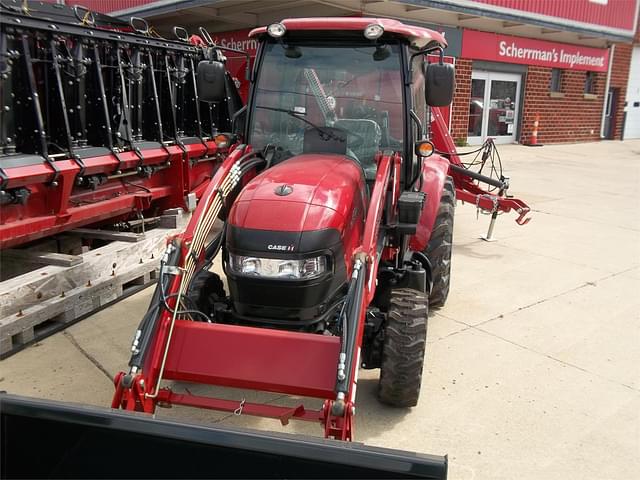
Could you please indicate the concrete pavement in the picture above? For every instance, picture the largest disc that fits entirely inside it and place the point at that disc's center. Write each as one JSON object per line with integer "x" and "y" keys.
{"x": 533, "y": 366}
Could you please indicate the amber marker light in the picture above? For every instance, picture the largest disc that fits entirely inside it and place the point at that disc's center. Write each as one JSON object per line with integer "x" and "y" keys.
{"x": 424, "y": 149}
{"x": 222, "y": 141}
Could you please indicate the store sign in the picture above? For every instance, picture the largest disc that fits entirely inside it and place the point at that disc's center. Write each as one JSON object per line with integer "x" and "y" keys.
{"x": 238, "y": 40}
{"x": 503, "y": 48}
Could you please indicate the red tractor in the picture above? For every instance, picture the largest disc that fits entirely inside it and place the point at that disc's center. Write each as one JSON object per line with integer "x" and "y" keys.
{"x": 337, "y": 228}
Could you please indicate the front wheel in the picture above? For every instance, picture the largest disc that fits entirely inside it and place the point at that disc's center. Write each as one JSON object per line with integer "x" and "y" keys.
{"x": 405, "y": 339}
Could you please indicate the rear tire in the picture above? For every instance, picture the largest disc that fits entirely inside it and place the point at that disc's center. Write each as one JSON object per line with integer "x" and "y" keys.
{"x": 405, "y": 339}
{"x": 438, "y": 250}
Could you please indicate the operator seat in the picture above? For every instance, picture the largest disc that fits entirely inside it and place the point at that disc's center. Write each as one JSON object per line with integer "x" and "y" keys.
{"x": 363, "y": 141}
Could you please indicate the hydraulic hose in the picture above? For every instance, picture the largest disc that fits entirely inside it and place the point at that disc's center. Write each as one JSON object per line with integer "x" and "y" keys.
{"x": 211, "y": 251}
{"x": 353, "y": 314}
{"x": 478, "y": 176}
{"x": 148, "y": 325}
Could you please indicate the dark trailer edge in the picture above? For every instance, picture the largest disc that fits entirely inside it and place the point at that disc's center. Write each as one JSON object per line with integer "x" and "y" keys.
{"x": 47, "y": 439}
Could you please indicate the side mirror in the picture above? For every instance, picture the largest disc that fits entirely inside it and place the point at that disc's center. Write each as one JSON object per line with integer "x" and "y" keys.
{"x": 210, "y": 80}
{"x": 440, "y": 84}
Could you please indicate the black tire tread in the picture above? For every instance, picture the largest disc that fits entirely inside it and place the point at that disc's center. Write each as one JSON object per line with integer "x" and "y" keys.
{"x": 439, "y": 248}
{"x": 404, "y": 346}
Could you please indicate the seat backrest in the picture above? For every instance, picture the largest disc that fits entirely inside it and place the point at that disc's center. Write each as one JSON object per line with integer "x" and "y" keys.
{"x": 371, "y": 134}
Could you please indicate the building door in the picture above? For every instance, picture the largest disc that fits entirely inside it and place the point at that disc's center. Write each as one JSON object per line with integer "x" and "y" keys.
{"x": 632, "y": 117}
{"x": 493, "y": 108}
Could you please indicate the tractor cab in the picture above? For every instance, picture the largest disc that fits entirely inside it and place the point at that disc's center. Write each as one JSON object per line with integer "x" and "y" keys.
{"x": 329, "y": 96}
{"x": 348, "y": 86}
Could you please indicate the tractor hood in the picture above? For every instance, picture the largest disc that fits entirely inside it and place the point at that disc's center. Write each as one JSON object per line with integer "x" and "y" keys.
{"x": 309, "y": 206}
{"x": 306, "y": 192}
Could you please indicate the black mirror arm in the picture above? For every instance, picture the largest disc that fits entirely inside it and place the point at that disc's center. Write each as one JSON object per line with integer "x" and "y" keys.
{"x": 426, "y": 51}
{"x": 418, "y": 123}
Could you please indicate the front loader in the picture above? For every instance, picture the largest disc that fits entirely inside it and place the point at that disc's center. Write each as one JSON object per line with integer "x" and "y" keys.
{"x": 333, "y": 218}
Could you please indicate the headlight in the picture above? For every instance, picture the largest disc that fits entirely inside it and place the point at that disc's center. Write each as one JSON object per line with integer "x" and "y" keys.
{"x": 373, "y": 31}
{"x": 276, "y": 30}
{"x": 278, "y": 267}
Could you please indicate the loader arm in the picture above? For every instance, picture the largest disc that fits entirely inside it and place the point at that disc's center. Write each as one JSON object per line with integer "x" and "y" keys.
{"x": 138, "y": 390}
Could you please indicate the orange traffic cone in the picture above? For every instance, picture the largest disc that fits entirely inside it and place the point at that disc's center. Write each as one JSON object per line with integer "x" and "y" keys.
{"x": 533, "y": 139}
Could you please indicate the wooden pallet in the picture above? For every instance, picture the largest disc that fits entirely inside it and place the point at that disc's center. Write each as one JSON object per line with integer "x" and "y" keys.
{"x": 42, "y": 301}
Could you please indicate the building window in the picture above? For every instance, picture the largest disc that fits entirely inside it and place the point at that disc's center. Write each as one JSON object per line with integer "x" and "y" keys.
{"x": 556, "y": 80}
{"x": 590, "y": 83}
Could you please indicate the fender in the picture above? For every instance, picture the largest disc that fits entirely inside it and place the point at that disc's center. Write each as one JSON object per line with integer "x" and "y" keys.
{"x": 434, "y": 172}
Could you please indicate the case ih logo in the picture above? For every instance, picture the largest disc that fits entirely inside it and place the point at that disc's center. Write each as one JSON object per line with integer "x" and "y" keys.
{"x": 281, "y": 248}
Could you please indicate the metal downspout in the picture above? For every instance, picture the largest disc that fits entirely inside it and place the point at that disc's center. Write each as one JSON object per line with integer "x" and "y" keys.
{"x": 612, "y": 50}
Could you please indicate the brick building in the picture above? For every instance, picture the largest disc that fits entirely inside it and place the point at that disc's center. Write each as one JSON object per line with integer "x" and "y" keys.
{"x": 564, "y": 63}
{"x": 567, "y": 102}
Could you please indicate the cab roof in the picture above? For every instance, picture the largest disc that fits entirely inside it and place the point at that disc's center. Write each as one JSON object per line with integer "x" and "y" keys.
{"x": 419, "y": 37}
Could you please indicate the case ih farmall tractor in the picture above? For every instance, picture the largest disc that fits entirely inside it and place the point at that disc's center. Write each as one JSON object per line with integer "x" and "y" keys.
{"x": 337, "y": 228}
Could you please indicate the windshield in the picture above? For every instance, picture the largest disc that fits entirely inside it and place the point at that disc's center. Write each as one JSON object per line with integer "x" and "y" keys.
{"x": 339, "y": 94}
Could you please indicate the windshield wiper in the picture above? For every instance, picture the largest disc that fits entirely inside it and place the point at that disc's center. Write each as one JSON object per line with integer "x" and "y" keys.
{"x": 325, "y": 135}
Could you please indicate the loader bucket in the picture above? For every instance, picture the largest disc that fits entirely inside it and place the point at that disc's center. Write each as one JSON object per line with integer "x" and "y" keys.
{"x": 60, "y": 440}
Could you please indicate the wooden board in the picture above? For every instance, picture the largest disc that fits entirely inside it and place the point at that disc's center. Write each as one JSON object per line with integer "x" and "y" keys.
{"x": 37, "y": 322}
{"x": 107, "y": 235}
{"x": 45, "y": 258}
{"x": 50, "y": 297}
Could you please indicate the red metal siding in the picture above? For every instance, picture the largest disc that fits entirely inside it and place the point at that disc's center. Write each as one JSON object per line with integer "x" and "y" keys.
{"x": 106, "y": 6}
{"x": 612, "y": 14}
